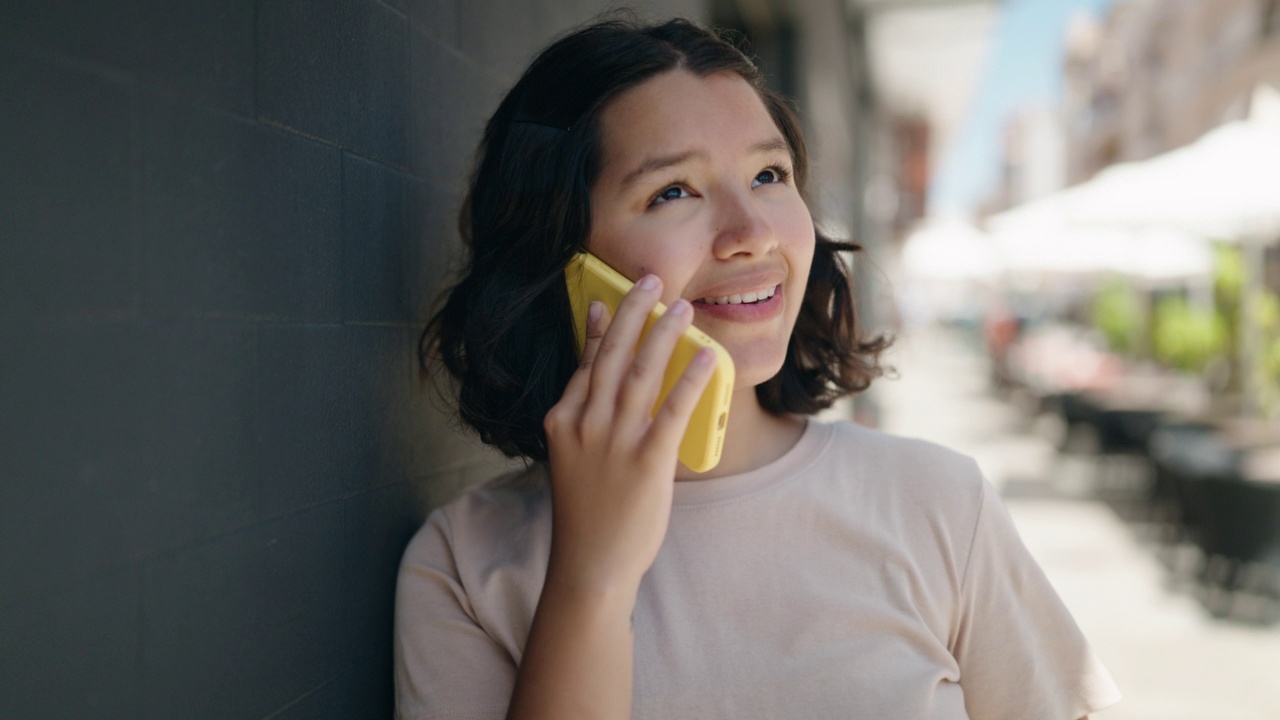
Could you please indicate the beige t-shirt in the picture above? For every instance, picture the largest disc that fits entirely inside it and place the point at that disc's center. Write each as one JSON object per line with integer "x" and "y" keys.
{"x": 860, "y": 575}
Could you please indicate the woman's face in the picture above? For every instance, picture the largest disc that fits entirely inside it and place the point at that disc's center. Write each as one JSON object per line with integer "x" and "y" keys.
{"x": 696, "y": 187}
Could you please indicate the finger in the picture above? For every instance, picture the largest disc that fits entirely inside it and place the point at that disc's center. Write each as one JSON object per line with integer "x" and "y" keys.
{"x": 673, "y": 417}
{"x": 640, "y": 389}
{"x": 597, "y": 323}
{"x": 575, "y": 393}
{"x": 618, "y": 343}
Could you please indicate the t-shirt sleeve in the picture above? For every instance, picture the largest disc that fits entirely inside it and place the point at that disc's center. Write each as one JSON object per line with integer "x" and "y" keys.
{"x": 446, "y": 664}
{"x": 1021, "y": 654}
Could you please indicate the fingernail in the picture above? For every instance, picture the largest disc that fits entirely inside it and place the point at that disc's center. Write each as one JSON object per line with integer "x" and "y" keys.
{"x": 593, "y": 311}
{"x": 679, "y": 307}
{"x": 648, "y": 282}
{"x": 704, "y": 356}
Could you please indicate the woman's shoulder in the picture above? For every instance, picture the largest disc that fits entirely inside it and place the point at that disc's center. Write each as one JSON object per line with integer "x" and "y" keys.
{"x": 511, "y": 507}
{"x": 519, "y": 493}
{"x": 874, "y": 449}
{"x": 901, "y": 465}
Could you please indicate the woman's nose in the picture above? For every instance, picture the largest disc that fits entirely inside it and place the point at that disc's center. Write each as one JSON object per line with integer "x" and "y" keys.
{"x": 742, "y": 228}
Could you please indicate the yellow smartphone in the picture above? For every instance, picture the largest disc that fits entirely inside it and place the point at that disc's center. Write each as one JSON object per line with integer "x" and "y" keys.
{"x": 589, "y": 278}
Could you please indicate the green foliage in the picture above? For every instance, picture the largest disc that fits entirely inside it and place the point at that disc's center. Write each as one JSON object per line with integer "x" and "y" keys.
{"x": 1271, "y": 360}
{"x": 1116, "y": 314}
{"x": 1187, "y": 338}
{"x": 1228, "y": 275}
{"x": 1267, "y": 312}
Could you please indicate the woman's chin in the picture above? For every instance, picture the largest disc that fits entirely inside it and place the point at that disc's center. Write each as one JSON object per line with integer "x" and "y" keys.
{"x": 749, "y": 376}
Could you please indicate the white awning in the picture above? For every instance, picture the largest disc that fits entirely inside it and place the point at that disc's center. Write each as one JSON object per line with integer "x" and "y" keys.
{"x": 950, "y": 250}
{"x": 1223, "y": 187}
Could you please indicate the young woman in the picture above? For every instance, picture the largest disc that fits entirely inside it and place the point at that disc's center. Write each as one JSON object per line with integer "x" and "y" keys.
{"x": 820, "y": 570}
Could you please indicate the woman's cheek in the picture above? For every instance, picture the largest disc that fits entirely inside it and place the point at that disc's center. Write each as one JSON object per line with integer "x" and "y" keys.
{"x": 801, "y": 235}
{"x": 671, "y": 249}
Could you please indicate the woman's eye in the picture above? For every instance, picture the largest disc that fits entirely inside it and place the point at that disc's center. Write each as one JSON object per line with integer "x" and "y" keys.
{"x": 770, "y": 175}
{"x": 675, "y": 192}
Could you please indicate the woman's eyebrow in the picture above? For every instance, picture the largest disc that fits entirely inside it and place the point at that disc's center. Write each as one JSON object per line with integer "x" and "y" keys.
{"x": 659, "y": 163}
{"x": 771, "y": 145}
{"x": 654, "y": 164}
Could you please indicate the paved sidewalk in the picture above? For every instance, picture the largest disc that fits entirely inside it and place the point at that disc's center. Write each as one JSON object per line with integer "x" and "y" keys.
{"x": 1172, "y": 660}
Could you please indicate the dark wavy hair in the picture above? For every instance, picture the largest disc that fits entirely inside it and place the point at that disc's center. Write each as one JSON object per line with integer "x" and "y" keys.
{"x": 504, "y": 332}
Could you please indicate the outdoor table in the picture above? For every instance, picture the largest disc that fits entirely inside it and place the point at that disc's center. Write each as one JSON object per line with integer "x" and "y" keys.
{"x": 1184, "y": 453}
{"x": 1125, "y": 413}
{"x": 1243, "y": 514}
{"x": 1222, "y": 482}
{"x": 1133, "y": 407}
{"x": 1114, "y": 429}
{"x": 1245, "y": 433}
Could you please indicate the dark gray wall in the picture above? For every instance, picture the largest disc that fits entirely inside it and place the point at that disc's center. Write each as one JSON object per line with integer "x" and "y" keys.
{"x": 220, "y": 225}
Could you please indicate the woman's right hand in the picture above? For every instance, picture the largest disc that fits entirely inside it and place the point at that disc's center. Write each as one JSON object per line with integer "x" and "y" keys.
{"x": 612, "y": 463}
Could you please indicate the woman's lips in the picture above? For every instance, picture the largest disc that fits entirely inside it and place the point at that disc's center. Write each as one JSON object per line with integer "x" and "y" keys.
{"x": 743, "y": 312}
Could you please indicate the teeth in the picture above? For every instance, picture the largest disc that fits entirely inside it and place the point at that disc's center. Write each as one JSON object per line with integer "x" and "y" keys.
{"x": 750, "y": 297}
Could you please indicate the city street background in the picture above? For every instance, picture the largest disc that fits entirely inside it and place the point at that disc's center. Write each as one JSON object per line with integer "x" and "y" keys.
{"x": 1171, "y": 658}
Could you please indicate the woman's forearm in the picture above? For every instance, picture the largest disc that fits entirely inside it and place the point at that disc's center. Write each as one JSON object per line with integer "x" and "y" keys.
{"x": 577, "y": 661}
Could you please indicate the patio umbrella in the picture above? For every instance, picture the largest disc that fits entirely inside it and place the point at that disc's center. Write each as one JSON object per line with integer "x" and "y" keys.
{"x": 1157, "y": 256}
{"x": 949, "y": 250}
{"x": 1225, "y": 186}
{"x": 1036, "y": 239}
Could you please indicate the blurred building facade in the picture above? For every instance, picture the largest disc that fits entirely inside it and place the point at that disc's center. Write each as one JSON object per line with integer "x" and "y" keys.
{"x": 925, "y": 59}
{"x": 1154, "y": 75}
{"x": 1033, "y": 157}
{"x": 913, "y": 141}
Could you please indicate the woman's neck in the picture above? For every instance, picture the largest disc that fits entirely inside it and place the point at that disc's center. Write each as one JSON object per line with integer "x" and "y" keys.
{"x": 753, "y": 438}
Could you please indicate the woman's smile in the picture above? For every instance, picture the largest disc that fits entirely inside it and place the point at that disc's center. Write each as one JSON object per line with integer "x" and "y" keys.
{"x": 748, "y": 297}
{"x": 749, "y": 307}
